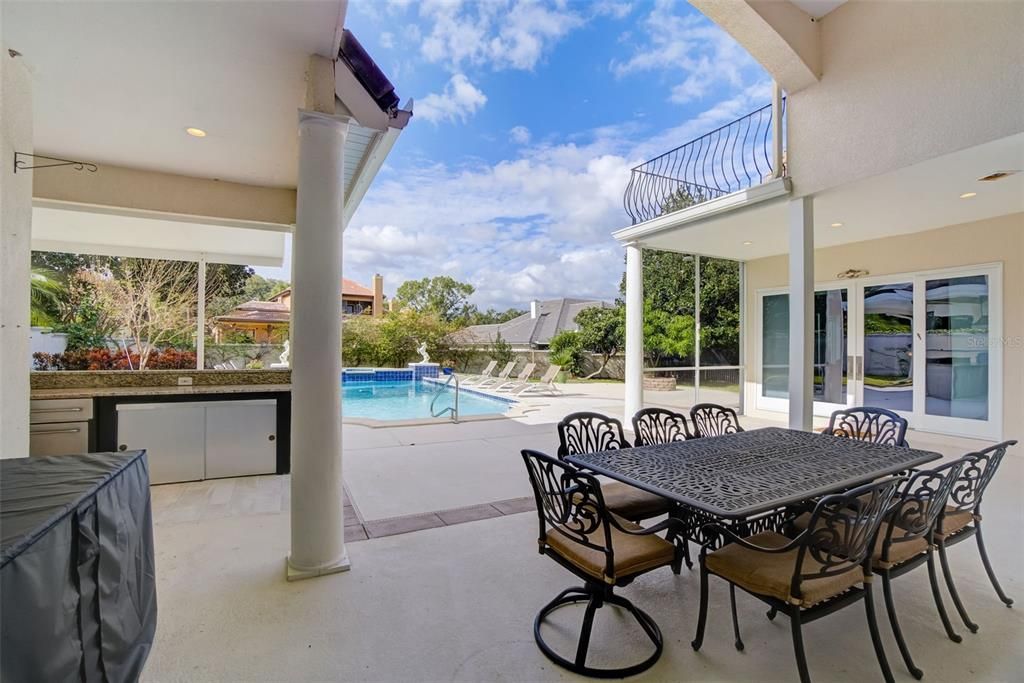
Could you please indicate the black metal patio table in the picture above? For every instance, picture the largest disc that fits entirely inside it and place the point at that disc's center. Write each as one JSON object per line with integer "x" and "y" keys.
{"x": 751, "y": 475}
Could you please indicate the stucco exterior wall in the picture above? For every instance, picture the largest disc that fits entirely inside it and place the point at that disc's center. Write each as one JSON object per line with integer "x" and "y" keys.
{"x": 903, "y": 82}
{"x": 15, "y": 255}
{"x": 995, "y": 240}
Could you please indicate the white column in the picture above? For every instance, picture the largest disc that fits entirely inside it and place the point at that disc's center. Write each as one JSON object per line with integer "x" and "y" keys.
{"x": 696, "y": 328}
{"x": 801, "y": 313}
{"x": 318, "y": 530}
{"x": 15, "y": 256}
{"x": 201, "y": 314}
{"x": 634, "y": 330}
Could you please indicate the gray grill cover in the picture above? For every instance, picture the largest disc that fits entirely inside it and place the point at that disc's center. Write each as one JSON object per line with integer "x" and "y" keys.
{"x": 76, "y": 567}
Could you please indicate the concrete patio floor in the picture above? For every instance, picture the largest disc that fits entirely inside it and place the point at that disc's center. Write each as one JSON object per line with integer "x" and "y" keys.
{"x": 456, "y": 601}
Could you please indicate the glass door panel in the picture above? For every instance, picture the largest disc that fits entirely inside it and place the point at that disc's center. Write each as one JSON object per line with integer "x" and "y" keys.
{"x": 957, "y": 347}
{"x": 887, "y": 346}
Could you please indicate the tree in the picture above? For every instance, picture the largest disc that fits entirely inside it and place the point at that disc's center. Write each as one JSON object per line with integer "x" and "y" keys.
{"x": 666, "y": 335}
{"x": 501, "y": 351}
{"x": 444, "y": 296}
{"x": 150, "y": 302}
{"x": 492, "y": 316}
{"x": 602, "y": 331}
{"x": 566, "y": 349}
{"x": 256, "y": 288}
{"x": 44, "y": 295}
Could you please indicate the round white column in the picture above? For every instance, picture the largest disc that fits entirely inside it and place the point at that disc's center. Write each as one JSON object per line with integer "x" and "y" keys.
{"x": 634, "y": 330}
{"x": 318, "y": 530}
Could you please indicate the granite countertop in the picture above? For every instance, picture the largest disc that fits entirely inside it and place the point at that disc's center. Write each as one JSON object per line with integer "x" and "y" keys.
{"x": 90, "y": 392}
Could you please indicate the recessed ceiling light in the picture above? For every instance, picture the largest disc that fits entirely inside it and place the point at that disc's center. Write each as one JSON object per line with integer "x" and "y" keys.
{"x": 837, "y": 225}
{"x": 196, "y": 132}
{"x": 998, "y": 175}
{"x": 968, "y": 195}
{"x": 747, "y": 243}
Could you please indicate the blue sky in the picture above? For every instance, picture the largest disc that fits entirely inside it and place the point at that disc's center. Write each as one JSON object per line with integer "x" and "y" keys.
{"x": 527, "y": 118}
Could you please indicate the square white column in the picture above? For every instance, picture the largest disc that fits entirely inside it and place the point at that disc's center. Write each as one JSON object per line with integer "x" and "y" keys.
{"x": 634, "y": 398}
{"x": 801, "y": 313}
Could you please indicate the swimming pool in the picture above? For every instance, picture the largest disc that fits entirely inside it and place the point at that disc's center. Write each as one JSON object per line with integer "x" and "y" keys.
{"x": 411, "y": 400}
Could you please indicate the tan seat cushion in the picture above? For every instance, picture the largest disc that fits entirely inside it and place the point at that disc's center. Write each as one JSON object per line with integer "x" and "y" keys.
{"x": 899, "y": 552}
{"x": 633, "y": 503}
{"x": 632, "y": 554}
{"x": 953, "y": 521}
{"x": 772, "y": 573}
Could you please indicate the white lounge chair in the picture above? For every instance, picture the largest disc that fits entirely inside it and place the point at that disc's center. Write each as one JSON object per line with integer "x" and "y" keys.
{"x": 521, "y": 378}
{"x": 487, "y": 372}
{"x": 545, "y": 384}
{"x": 501, "y": 377}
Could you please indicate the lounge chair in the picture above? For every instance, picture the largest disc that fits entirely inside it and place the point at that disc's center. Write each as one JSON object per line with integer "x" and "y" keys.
{"x": 487, "y": 372}
{"x": 501, "y": 377}
{"x": 545, "y": 384}
{"x": 521, "y": 378}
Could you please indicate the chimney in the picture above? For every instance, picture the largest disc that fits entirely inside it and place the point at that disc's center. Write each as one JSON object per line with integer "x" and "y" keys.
{"x": 378, "y": 295}
{"x": 534, "y": 309}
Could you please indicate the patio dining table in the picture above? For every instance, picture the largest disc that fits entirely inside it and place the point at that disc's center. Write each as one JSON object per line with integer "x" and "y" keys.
{"x": 748, "y": 478}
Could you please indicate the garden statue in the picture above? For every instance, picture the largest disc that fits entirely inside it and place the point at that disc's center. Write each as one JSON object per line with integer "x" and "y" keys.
{"x": 422, "y": 350}
{"x": 286, "y": 354}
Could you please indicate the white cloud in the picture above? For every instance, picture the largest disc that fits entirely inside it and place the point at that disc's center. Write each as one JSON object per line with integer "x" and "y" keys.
{"x": 519, "y": 135}
{"x": 387, "y": 40}
{"x": 611, "y": 8}
{"x": 459, "y": 100}
{"x": 502, "y": 34}
{"x": 690, "y": 48}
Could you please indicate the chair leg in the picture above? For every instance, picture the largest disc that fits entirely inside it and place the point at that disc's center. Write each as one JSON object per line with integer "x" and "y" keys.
{"x": 876, "y": 638}
{"x": 948, "y": 575}
{"x": 772, "y": 613}
{"x": 937, "y": 596}
{"x": 735, "y": 618}
{"x": 798, "y": 645}
{"x": 988, "y": 568}
{"x": 686, "y": 553}
{"x": 702, "y": 618}
{"x": 588, "y": 625}
{"x": 890, "y": 607}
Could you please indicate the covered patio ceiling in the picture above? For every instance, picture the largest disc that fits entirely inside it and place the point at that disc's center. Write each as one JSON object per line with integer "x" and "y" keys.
{"x": 921, "y": 197}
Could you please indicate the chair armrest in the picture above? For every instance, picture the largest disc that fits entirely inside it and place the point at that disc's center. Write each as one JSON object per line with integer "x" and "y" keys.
{"x": 671, "y": 523}
{"x": 715, "y": 529}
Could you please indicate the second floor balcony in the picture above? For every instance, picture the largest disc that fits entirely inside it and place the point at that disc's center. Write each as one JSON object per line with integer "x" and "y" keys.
{"x": 739, "y": 155}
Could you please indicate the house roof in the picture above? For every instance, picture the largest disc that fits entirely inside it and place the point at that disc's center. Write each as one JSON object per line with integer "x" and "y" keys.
{"x": 553, "y": 316}
{"x": 349, "y": 288}
{"x": 257, "y": 313}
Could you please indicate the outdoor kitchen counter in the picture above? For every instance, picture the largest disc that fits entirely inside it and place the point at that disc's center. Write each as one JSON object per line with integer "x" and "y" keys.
{"x": 96, "y": 392}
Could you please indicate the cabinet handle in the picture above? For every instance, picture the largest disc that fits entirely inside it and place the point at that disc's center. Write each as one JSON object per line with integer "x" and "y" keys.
{"x": 57, "y": 410}
{"x": 73, "y": 430}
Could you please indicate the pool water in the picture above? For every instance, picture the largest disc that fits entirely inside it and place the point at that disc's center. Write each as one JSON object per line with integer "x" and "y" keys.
{"x": 411, "y": 400}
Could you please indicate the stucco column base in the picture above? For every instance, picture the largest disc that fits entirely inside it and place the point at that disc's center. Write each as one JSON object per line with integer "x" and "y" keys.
{"x": 299, "y": 573}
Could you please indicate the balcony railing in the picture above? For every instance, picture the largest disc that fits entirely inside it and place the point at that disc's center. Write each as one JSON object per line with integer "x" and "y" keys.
{"x": 734, "y": 157}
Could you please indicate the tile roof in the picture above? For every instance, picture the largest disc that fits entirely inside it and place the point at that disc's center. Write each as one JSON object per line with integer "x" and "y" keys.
{"x": 348, "y": 288}
{"x": 257, "y": 312}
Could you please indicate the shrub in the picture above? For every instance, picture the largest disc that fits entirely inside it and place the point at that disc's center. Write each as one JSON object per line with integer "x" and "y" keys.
{"x": 106, "y": 359}
{"x": 566, "y": 349}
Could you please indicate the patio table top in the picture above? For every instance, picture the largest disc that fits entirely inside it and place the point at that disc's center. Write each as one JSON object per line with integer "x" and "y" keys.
{"x": 745, "y": 474}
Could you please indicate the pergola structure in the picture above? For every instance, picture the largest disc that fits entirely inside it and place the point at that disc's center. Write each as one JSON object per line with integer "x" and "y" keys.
{"x": 202, "y": 132}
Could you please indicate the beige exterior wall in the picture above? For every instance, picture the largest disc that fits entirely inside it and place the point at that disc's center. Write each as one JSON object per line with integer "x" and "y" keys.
{"x": 996, "y": 240}
{"x": 903, "y": 82}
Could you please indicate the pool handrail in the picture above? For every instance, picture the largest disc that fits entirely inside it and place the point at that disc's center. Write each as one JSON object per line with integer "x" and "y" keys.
{"x": 453, "y": 410}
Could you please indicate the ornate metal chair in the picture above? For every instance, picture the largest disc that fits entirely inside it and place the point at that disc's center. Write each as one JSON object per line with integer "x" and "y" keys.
{"x": 658, "y": 425}
{"x": 825, "y": 568}
{"x": 711, "y": 419}
{"x": 593, "y": 433}
{"x": 579, "y": 532}
{"x": 961, "y": 519}
{"x": 905, "y": 543}
{"x": 874, "y": 425}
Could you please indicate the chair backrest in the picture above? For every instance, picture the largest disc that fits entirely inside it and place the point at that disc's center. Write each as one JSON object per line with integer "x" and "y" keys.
{"x": 549, "y": 375}
{"x": 711, "y": 419}
{"x": 507, "y": 370}
{"x": 569, "y": 503}
{"x": 525, "y": 373}
{"x": 842, "y": 531}
{"x": 658, "y": 425}
{"x": 874, "y": 425}
{"x": 919, "y": 502}
{"x": 489, "y": 368}
{"x": 977, "y": 473}
{"x": 589, "y": 433}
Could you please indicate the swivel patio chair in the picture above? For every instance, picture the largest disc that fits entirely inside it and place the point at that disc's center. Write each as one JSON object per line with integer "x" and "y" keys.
{"x": 825, "y": 568}
{"x": 961, "y": 519}
{"x": 593, "y": 433}
{"x": 658, "y": 425}
{"x": 579, "y": 532}
{"x": 874, "y": 425}
{"x": 711, "y": 419}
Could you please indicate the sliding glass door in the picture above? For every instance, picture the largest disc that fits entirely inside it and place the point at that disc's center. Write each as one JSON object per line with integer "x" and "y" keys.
{"x": 925, "y": 345}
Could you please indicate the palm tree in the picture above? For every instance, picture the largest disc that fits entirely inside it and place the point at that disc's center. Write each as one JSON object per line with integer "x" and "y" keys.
{"x": 45, "y": 290}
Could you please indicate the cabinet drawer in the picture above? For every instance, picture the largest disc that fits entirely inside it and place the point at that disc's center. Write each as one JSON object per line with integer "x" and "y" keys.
{"x": 60, "y": 410}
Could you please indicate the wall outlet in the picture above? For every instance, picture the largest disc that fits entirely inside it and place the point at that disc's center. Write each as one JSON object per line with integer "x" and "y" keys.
{"x": 184, "y": 381}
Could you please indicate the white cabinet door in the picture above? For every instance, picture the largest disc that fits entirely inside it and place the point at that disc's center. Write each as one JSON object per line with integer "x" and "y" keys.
{"x": 241, "y": 438}
{"x": 173, "y": 435}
